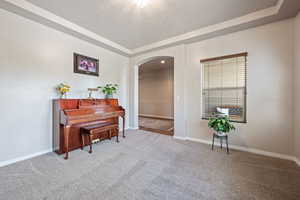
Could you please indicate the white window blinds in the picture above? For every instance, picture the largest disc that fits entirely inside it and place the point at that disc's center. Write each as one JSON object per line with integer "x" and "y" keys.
{"x": 224, "y": 87}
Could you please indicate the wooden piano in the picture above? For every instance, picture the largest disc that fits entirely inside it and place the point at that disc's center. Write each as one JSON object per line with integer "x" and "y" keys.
{"x": 69, "y": 115}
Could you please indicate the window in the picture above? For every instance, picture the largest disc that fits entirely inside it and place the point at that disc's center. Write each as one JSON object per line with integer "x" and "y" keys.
{"x": 224, "y": 87}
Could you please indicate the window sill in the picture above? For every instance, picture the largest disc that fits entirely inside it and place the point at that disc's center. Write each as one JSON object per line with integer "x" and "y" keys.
{"x": 240, "y": 122}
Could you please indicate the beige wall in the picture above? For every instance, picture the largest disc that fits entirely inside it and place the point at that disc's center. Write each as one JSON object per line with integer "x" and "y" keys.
{"x": 269, "y": 102}
{"x": 297, "y": 87}
{"x": 156, "y": 91}
{"x": 269, "y": 82}
{"x": 33, "y": 60}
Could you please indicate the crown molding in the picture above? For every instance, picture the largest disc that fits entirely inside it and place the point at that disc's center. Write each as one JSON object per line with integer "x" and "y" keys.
{"x": 29, "y": 10}
{"x": 213, "y": 28}
{"x": 19, "y": 6}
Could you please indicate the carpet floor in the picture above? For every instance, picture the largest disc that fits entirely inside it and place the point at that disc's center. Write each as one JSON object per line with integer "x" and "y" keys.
{"x": 148, "y": 166}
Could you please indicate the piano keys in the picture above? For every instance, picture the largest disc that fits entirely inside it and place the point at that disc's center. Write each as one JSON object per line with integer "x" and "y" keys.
{"x": 69, "y": 115}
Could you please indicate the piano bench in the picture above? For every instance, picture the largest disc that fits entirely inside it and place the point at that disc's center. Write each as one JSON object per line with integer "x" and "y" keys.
{"x": 95, "y": 129}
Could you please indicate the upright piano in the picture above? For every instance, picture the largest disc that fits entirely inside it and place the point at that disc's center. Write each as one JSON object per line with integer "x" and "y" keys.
{"x": 69, "y": 115}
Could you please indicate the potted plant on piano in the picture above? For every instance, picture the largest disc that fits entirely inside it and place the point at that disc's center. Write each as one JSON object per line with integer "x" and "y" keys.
{"x": 63, "y": 89}
{"x": 109, "y": 90}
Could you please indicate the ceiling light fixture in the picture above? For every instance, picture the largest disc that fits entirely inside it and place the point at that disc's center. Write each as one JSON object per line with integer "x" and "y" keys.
{"x": 141, "y": 3}
{"x": 163, "y": 62}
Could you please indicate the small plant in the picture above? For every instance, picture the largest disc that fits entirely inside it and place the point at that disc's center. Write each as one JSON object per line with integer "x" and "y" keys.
{"x": 63, "y": 89}
{"x": 109, "y": 89}
{"x": 220, "y": 124}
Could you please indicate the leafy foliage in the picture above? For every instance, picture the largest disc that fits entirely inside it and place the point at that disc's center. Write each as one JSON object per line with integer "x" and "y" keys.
{"x": 63, "y": 88}
{"x": 109, "y": 89}
{"x": 221, "y": 124}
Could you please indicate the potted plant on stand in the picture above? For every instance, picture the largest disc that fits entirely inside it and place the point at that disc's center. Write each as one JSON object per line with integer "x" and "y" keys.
{"x": 109, "y": 90}
{"x": 221, "y": 126}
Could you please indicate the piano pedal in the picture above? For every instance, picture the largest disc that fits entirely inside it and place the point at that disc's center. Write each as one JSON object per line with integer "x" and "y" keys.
{"x": 96, "y": 141}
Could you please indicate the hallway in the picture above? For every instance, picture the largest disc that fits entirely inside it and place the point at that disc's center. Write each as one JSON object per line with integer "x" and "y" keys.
{"x": 156, "y": 95}
{"x": 163, "y": 126}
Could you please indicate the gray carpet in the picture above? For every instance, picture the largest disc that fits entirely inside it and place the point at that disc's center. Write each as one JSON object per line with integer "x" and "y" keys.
{"x": 153, "y": 167}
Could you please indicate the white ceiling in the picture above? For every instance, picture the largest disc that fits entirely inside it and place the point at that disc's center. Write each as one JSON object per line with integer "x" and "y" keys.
{"x": 122, "y": 22}
{"x": 124, "y": 28}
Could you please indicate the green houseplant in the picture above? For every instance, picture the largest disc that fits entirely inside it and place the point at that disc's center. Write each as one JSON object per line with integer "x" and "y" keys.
{"x": 221, "y": 125}
{"x": 63, "y": 89}
{"x": 109, "y": 90}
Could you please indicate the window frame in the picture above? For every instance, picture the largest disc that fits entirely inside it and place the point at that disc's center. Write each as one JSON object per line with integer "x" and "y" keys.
{"x": 244, "y": 54}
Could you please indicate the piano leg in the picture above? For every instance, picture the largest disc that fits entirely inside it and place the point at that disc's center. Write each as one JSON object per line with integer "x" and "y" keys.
{"x": 117, "y": 134}
{"x": 123, "y": 126}
{"x": 82, "y": 141}
{"x": 109, "y": 134}
{"x": 66, "y": 138}
{"x": 91, "y": 143}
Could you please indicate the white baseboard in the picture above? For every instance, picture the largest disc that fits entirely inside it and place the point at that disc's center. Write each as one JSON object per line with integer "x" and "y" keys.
{"x": 126, "y": 128}
{"x": 156, "y": 116}
{"x": 15, "y": 160}
{"x": 240, "y": 148}
{"x": 297, "y": 161}
{"x": 245, "y": 149}
{"x": 133, "y": 128}
{"x": 179, "y": 138}
{"x": 8, "y": 162}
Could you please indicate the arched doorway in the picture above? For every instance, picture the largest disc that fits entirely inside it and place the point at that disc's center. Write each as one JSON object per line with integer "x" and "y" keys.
{"x": 155, "y": 95}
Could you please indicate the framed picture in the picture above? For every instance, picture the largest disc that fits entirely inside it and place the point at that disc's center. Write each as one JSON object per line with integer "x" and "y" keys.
{"x": 86, "y": 65}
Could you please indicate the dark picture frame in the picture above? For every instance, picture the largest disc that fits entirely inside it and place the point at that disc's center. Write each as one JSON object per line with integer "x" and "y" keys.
{"x": 86, "y": 65}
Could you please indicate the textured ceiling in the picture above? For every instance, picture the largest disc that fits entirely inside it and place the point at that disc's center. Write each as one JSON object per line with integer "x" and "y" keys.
{"x": 122, "y": 22}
